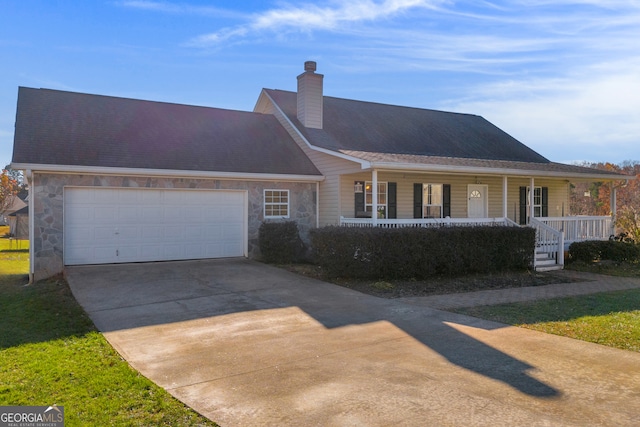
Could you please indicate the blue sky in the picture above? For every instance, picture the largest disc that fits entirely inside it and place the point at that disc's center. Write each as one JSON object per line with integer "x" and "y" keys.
{"x": 561, "y": 76}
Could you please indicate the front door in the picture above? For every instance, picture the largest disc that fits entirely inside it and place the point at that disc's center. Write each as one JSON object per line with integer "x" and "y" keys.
{"x": 477, "y": 201}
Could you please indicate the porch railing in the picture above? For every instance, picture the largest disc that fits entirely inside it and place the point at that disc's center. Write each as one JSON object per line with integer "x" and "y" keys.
{"x": 549, "y": 250}
{"x": 580, "y": 228}
{"x": 425, "y": 222}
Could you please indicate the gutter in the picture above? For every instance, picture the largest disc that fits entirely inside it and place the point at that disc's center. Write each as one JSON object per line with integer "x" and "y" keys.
{"x": 159, "y": 173}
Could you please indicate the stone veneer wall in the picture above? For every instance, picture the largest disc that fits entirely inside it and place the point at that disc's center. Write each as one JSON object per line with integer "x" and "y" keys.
{"x": 47, "y": 192}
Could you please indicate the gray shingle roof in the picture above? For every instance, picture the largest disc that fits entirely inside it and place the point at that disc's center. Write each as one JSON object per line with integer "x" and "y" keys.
{"x": 65, "y": 128}
{"x": 380, "y": 128}
{"x": 389, "y": 134}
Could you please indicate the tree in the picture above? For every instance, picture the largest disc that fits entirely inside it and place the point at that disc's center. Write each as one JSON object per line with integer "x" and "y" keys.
{"x": 594, "y": 198}
{"x": 9, "y": 188}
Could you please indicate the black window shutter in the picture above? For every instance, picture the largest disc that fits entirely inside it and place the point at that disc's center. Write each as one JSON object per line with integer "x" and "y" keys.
{"x": 417, "y": 200}
{"x": 545, "y": 201}
{"x": 523, "y": 205}
{"x": 446, "y": 200}
{"x": 392, "y": 206}
{"x": 359, "y": 200}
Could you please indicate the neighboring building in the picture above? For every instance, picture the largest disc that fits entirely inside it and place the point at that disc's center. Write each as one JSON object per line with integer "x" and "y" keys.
{"x": 122, "y": 180}
{"x": 19, "y": 224}
{"x": 16, "y": 204}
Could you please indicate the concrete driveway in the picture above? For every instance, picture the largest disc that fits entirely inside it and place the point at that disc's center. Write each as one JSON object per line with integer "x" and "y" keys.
{"x": 248, "y": 344}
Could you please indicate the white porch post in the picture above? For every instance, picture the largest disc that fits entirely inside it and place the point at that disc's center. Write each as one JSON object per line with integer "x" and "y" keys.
{"x": 531, "y": 191}
{"x": 374, "y": 197}
{"x": 614, "y": 209}
{"x": 504, "y": 196}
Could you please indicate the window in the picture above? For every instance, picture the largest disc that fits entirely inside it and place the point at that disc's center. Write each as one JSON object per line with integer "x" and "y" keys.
{"x": 537, "y": 200}
{"x": 276, "y": 203}
{"x": 382, "y": 198}
{"x": 432, "y": 200}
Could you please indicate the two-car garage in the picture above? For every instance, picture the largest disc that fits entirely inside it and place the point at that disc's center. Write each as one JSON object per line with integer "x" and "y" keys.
{"x": 116, "y": 225}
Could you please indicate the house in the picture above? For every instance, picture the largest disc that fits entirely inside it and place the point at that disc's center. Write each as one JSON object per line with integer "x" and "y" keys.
{"x": 19, "y": 224}
{"x": 123, "y": 180}
{"x": 15, "y": 204}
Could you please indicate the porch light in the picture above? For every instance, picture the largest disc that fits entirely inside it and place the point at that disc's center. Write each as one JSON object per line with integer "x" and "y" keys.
{"x": 357, "y": 188}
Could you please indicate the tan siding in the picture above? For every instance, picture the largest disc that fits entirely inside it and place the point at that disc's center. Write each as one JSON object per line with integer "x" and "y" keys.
{"x": 558, "y": 195}
{"x": 459, "y": 185}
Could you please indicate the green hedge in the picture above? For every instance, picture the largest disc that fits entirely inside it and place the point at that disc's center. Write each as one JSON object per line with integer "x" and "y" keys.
{"x": 599, "y": 250}
{"x": 421, "y": 252}
{"x": 280, "y": 242}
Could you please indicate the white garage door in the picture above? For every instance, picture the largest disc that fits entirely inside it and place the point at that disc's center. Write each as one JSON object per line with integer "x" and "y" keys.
{"x": 113, "y": 225}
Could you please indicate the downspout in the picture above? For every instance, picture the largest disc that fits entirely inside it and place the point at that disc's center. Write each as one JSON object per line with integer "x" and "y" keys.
{"x": 374, "y": 197}
{"x": 29, "y": 177}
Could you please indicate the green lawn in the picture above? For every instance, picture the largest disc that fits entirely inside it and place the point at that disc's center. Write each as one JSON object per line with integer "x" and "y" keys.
{"x": 610, "y": 318}
{"x": 14, "y": 254}
{"x": 51, "y": 353}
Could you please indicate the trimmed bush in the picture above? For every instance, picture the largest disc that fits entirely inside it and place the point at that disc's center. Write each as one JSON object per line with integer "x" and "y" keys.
{"x": 600, "y": 250}
{"x": 280, "y": 242}
{"x": 403, "y": 253}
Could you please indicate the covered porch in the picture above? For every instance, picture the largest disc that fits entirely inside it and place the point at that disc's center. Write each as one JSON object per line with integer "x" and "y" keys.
{"x": 447, "y": 200}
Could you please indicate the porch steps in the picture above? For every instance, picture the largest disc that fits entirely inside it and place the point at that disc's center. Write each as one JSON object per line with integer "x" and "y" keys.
{"x": 545, "y": 262}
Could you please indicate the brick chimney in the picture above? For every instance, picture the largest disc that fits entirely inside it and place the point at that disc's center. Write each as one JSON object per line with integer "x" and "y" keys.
{"x": 310, "y": 96}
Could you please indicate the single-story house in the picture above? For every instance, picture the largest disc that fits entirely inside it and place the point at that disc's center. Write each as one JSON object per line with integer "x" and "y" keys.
{"x": 123, "y": 180}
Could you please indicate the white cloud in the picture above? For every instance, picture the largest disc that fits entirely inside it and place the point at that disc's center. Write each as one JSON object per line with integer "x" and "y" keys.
{"x": 563, "y": 76}
{"x": 308, "y": 17}
{"x": 179, "y": 8}
{"x": 592, "y": 116}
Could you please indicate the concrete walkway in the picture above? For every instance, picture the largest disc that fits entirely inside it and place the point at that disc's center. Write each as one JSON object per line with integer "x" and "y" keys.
{"x": 587, "y": 284}
{"x": 247, "y": 344}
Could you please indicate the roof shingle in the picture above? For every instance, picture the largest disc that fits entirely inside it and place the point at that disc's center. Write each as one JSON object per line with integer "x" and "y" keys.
{"x": 65, "y": 128}
{"x": 395, "y": 136}
{"x": 380, "y": 128}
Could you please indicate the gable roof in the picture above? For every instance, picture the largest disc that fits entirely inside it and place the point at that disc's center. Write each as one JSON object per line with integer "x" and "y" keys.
{"x": 396, "y": 137}
{"x": 75, "y": 129}
{"x": 380, "y": 128}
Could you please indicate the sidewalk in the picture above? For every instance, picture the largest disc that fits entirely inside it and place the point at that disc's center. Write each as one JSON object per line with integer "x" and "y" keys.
{"x": 593, "y": 283}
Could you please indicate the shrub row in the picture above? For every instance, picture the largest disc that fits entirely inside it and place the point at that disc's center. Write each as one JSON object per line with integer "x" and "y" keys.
{"x": 280, "y": 242}
{"x": 421, "y": 252}
{"x": 595, "y": 251}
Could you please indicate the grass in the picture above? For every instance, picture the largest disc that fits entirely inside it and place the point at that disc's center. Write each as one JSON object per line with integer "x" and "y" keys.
{"x": 609, "y": 318}
{"x": 50, "y": 352}
{"x": 14, "y": 255}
